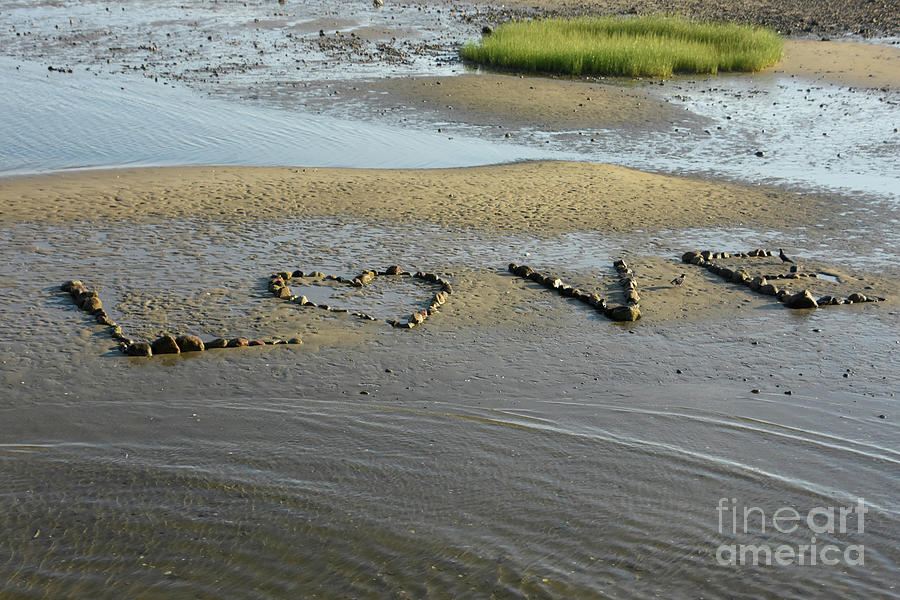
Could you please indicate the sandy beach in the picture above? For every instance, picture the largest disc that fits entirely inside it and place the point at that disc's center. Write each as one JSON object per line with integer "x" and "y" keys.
{"x": 519, "y": 443}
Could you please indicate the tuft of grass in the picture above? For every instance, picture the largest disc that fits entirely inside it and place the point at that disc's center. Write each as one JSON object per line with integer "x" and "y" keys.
{"x": 652, "y": 46}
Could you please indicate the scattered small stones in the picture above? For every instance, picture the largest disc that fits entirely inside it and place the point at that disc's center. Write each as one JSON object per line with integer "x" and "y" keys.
{"x": 594, "y": 300}
{"x": 364, "y": 279}
{"x": 760, "y": 284}
{"x": 89, "y": 301}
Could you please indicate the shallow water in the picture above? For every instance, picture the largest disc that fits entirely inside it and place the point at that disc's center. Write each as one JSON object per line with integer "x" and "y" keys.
{"x": 78, "y": 120}
{"x": 562, "y": 458}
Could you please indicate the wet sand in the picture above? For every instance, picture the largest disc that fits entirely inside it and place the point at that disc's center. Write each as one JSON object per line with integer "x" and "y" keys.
{"x": 516, "y": 445}
{"x": 539, "y": 197}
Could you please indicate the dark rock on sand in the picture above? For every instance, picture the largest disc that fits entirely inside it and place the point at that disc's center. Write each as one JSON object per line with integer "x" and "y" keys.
{"x": 139, "y": 349}
{"x": 524, "y": 271}
{"x": 802, "y": 300}
{"x": 91, "y": 304}
{"x": 768, "y": 289}
{"x": 217, "y": 343}
{"x": 190, "y": 343}
{"x": 687, "y": 257}
{"x": 284, "y": 292}
{"x": 165, "y": 345}
{"x": 238, "y": 343}
{"x": 70, "y": 285}
{"x": 295, "y": 340}
{"x": 856, "y": 297}
{"x": 624, "y": 313}
{"x": 394, "y": 270}
{"x": 757, "y": 282}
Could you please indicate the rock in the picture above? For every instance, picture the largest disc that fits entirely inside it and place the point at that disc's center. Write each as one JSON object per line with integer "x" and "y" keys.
{"x": 447, "y": 288}
{"x": 217, "y": 343}
{"x": 318, "y": 274}
{"x": 536, "y": 277}
{"x": 782, "y": 295}
{"x": 566, "y": 290}
{"x": 706, "y": 255}
{"x": 276, "y": 284}
{"x": 285, "y": 275}
{"x": 741, "y": 277}
{"x": 596, "y": 301}
{"x": 297, "y": 273}
{"x": 856, "y": 297}
{"x": 367, "y": 277}
{"x": 624, "y": 313}
{"x": 139, "y": 349}
{"x": 726, "y": 273}
{"x": 724, "y": 255}
{"x": 104, "y": 319}
{"x": 697, "y": 260}
{"x": 76, "y": 292}
{"x": 487, "y": 30}
{"x": 757, "y": 282}
{"x": 256, "y": 343}
{"x": 91, "y": 304}
{"x": 524, "y": 271}
{"x": 768, "y": 289}
{"x": 295, "y": 340}
{"x": 338, "y": 309}
{"x": 802, "y": 300}
{"x": 394, "y": 270}
{"x": 165, "y": 345}
{"x": 70, "y": 285}
{"x": 555, "y": 283}
{"x": 303, "y": 301}
{"x": 190, "y": 343}
{"x": 284, "y": 292}
{"x": 632, "y": 297}
{"x": 440, "y": 298}
{"x": 418, "y": 317}
{"x": 754, "y": 391}
{"x": 687, "y": 257}
{"x": 238, "y": 342}
{"x": 117, "y": 333}
{"x": 512, "y": 267}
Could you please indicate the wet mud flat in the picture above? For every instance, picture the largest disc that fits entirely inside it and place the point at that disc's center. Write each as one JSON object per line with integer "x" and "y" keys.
{"x": 518, "y": 443}
{"x": 358, "y": 462}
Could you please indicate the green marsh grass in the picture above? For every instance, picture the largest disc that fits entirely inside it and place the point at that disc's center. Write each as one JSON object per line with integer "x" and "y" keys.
{"x": 631, "y": 47}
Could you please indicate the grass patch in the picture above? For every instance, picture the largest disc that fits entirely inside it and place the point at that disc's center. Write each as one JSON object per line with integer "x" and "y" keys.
{"x": 629, "y": 47}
